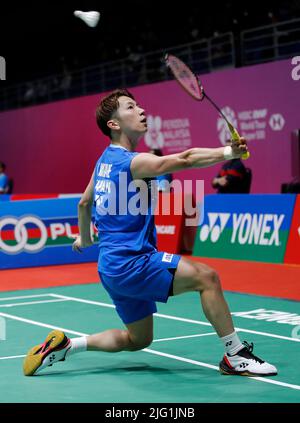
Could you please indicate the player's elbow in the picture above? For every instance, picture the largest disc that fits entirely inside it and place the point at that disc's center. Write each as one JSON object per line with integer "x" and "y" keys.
{"x": 187, "y": 158}
{"x": 84, "y": 203}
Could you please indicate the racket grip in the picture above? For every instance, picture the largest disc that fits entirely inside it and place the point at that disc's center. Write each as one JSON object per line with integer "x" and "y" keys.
{"x": 236, "y": 137}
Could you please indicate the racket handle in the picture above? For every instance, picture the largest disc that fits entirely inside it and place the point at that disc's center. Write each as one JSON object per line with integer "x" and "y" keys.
{"x": 236, "y": 137}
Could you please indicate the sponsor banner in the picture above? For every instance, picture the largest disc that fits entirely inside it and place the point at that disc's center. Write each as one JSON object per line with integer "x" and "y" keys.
{"x": 292, "y": 254}
{"x": 169, "y": 226}
{"x": 40, "y": 232}
{"x": 245, "y": 227}
{"x": 174, "y": 227}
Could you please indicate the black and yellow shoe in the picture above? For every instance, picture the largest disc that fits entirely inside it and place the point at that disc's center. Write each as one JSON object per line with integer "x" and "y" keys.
{"x": 52, "y": 350}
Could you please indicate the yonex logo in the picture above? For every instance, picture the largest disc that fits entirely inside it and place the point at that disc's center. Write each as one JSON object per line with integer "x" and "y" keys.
{"x": 257, "y": 229}
{"x": 212, "y": 229}
{"x": 21, "y": 234}
{"x": 52, "y": 358}
{"x": 244, "y": 365}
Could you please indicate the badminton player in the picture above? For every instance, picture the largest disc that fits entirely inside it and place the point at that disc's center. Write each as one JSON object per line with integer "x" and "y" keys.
{"x": 133, "y": 272}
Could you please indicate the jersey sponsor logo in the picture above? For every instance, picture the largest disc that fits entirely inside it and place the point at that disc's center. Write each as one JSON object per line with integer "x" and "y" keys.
{"x": 167, "y": 257}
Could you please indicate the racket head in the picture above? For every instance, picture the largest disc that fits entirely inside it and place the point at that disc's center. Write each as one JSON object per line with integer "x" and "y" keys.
{"x": 185, "y": 77}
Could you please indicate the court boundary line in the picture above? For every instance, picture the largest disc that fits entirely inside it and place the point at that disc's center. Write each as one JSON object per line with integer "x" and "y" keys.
{"x": 25, "y": 296}
{"x": 164, "y": 316}
{"x": 59, "y": 300}
{"x": 178, "y": 358}
{"x": 182, "y": 319}
{"x": 154, "y": 340}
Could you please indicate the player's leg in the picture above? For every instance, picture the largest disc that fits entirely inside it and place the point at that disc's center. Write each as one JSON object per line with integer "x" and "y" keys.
{"x": 238, "y": 358}
{"x": 138, "y": 335}
{"x": 193, "y": 276}
{"x": 58, "y": 346}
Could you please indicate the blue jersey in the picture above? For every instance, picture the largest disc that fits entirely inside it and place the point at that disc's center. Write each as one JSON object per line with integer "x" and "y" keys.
{"x": 124, "y": 232}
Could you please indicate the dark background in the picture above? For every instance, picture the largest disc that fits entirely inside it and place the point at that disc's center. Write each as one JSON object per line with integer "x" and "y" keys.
{"x": 41, "y": 38}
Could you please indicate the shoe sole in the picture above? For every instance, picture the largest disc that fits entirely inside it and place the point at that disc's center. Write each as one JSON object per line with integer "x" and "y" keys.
{"x": 34, "y": 360}
{"x": 225, "y": 370}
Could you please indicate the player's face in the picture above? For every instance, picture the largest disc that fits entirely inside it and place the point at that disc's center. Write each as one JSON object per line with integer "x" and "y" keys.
{"x": 131, "y": 118}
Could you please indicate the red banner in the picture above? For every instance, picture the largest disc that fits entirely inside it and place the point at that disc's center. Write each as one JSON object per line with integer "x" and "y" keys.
{"x": 170, "y": 222}
{"x": 292, "y": 254}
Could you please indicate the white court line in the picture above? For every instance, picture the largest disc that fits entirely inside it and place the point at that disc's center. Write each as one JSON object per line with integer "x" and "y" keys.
{"x": 181, "y": 319}
{"x": 210, "y": 366}
{"x": 12, "y": 356}
{"x": 44, "y": 325}
{"x": 174, "y": 357}
{"x": 25, "y": 296}
{"x": 155, "y": 340}
{"x": 184, "y": 337}
{"x": 34, "y": 302}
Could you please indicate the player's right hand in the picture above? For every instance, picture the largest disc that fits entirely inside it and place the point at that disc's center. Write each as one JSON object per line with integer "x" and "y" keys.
{"x": 240, "y": 148}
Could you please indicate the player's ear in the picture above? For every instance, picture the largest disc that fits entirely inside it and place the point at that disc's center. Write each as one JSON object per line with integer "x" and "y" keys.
{"x": 113, "y": 124}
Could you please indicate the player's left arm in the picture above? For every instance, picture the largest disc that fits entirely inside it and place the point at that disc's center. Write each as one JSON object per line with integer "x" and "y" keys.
{"x": 84, "y": 217}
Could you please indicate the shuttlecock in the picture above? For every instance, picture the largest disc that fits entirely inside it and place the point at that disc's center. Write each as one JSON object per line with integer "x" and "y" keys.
{"x": 90, "y": 18}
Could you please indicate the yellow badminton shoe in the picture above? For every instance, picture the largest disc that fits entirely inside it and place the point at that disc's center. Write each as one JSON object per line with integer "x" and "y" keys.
{"x": 52, "y": 350}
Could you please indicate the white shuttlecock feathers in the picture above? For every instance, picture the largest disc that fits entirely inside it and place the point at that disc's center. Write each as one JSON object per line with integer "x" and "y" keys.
{"x": 90, "y": 18}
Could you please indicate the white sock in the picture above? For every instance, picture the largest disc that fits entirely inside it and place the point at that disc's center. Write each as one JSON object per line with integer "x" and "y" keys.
{"x": 232, "y": 343}
{"x": 78, "y": 345}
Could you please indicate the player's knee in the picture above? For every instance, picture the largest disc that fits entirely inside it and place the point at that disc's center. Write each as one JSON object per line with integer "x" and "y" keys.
{"x": 212, "y": 279}
{"x": 140, "y": 344}
{"x": 207, "y": 279}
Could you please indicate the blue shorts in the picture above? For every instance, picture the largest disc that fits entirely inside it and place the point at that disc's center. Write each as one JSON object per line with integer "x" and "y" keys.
{"x": 135, "y": 291}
